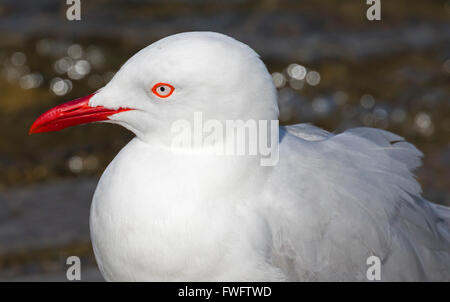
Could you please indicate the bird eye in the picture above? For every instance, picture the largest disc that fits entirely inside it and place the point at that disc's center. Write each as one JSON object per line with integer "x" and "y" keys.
{"x": 163, "y": 90}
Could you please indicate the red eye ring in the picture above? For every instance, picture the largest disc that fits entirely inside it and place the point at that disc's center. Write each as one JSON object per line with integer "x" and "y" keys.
{"x": 163, "y": 94}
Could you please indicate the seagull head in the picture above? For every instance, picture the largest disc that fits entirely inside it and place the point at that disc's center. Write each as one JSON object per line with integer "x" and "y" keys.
{"x": 172, "y": 79}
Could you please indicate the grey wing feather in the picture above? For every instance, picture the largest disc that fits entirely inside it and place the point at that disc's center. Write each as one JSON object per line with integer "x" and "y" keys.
{"x": 307, "y": 132}
{"x": 395, "y": 145}
{"x": 356, "y": 196}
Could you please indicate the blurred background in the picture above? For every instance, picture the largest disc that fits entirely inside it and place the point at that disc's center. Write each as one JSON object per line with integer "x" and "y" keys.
{"x": 332, "y": 66}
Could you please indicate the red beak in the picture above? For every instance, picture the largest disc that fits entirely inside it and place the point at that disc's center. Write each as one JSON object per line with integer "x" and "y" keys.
{"x": 72, "y": 113}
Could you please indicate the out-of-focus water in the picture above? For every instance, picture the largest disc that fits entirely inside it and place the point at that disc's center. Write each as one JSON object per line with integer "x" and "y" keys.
{"x": 332, "y": 67}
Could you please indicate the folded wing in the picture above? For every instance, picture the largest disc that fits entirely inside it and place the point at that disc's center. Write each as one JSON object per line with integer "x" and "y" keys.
{"x": 343, "y": 198}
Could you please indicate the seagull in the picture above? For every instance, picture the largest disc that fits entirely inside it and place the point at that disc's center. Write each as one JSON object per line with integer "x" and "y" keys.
{"x": 333, "y": 207}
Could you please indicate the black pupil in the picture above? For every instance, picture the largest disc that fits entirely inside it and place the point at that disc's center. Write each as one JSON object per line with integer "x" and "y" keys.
{"x": 162, "y": 89}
